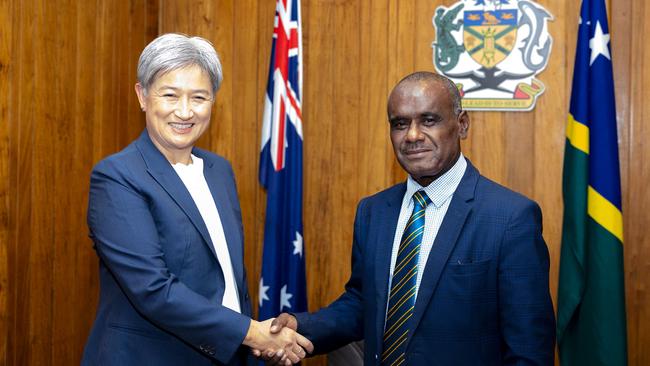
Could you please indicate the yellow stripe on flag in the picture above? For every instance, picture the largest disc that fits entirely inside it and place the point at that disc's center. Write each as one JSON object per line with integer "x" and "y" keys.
{"x": 578, "y": 134}
{"x": 605, "y": 213}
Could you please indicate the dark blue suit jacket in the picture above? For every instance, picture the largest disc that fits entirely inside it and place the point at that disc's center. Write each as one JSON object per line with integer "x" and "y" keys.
{"x": 484, "y": 297}
{"x": 161, "y": 283}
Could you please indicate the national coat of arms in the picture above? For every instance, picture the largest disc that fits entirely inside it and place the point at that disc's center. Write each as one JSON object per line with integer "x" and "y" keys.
{"x": 493, "y": 49}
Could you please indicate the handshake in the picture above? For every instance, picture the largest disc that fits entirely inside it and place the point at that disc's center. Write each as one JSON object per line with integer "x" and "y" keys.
{"x": 277, "y": 342}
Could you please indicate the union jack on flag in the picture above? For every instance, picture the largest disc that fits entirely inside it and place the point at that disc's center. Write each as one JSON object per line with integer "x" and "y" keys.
{"x": 282, "y": 285}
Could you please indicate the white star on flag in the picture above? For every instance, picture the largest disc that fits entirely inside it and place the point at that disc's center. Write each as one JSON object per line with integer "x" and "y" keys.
{"x": 262, "y": 292}
{"x": 284, "y": 298}
{"x": 297, "y": 244}
{"x": 598, "y": 44}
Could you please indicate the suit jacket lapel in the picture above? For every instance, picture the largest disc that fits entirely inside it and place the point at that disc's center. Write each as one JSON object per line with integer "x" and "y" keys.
{"x": 162, "y": 171}
{"x": 217, "y": 184}
{"x": 387, "y": 217}
{"x": 445, "y": 241}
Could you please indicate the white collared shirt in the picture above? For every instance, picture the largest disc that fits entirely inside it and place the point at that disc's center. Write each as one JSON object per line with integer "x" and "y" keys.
{"x": 440, "y": 191}
{"x": 194, "y": 180}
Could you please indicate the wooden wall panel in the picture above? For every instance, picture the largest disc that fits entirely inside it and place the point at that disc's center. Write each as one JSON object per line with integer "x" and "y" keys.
{"x": 6, "y": 55}
{"x": 373, "y": 153}
{"x": 245, "y": 112}
{"x": 70, "y": 70}
{"x": 631, "y": 49}
{"x": 318, "y": 209}
{"x": 548, "y": 132}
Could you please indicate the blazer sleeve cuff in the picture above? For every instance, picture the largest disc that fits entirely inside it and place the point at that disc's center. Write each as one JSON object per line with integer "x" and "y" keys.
{"x": 224, "y": 342}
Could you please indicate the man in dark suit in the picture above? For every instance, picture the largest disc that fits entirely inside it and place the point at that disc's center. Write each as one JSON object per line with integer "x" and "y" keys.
{"x": 448, "y": 268}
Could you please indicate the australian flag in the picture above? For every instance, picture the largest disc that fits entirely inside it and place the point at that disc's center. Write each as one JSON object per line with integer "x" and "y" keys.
{"x": 282, "y": 285}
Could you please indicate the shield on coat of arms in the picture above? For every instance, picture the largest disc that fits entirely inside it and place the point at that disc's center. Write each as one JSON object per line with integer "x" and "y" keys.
{"x": 489, "y": 36}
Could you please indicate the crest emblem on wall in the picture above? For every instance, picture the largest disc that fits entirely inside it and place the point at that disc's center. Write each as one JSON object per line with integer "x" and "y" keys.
{"x": 493, "y": 50}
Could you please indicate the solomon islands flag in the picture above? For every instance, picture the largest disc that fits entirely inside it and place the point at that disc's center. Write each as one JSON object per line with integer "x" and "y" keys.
{"x": 591, "y": 323}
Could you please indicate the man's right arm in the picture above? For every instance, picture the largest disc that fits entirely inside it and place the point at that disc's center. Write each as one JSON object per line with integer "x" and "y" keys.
{"x": 342, "y": 321}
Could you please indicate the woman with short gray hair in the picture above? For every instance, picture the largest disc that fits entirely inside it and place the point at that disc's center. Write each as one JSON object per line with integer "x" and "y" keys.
{"x": 174, "y": 51}
{"x": 166, "y": 224}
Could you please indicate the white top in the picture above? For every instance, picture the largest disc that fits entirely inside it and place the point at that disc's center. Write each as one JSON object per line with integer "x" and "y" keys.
{"x": 194, "y": 180}
{"x": 440, "y": 192}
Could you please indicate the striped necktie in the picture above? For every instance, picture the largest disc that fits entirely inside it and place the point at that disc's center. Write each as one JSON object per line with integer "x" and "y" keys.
{"x": 403, "y": 284}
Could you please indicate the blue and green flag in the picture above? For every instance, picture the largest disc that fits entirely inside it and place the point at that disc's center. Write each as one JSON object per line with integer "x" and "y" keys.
{"x": 591, "y": 321}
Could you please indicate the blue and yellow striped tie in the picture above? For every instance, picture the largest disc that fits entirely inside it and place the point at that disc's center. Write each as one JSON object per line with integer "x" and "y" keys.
{"x": 402, "y": 290}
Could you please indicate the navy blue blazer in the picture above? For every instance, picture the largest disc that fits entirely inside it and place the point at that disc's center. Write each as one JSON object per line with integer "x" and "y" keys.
{"x": 484, "y": 297}
{"x": 161, "y": 285}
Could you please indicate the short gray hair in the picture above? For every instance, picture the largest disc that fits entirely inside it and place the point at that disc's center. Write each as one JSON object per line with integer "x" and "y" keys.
{"x": 454, "y": 93}
{"x": 174, "y": 51}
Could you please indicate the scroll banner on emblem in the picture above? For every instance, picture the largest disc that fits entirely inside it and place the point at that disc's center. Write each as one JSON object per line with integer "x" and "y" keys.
{"x": 493, "y": 50}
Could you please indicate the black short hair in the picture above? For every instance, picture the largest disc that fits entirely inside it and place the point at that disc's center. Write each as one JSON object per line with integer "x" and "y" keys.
{"x": 454, "y": 93}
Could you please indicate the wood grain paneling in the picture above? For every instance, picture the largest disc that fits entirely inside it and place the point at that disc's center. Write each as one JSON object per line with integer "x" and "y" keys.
{"x": 5, "y": 198}
{"x": 67, "y": 71}
{"x": 69, "y": 67}
{"x": 631, "y": 66}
